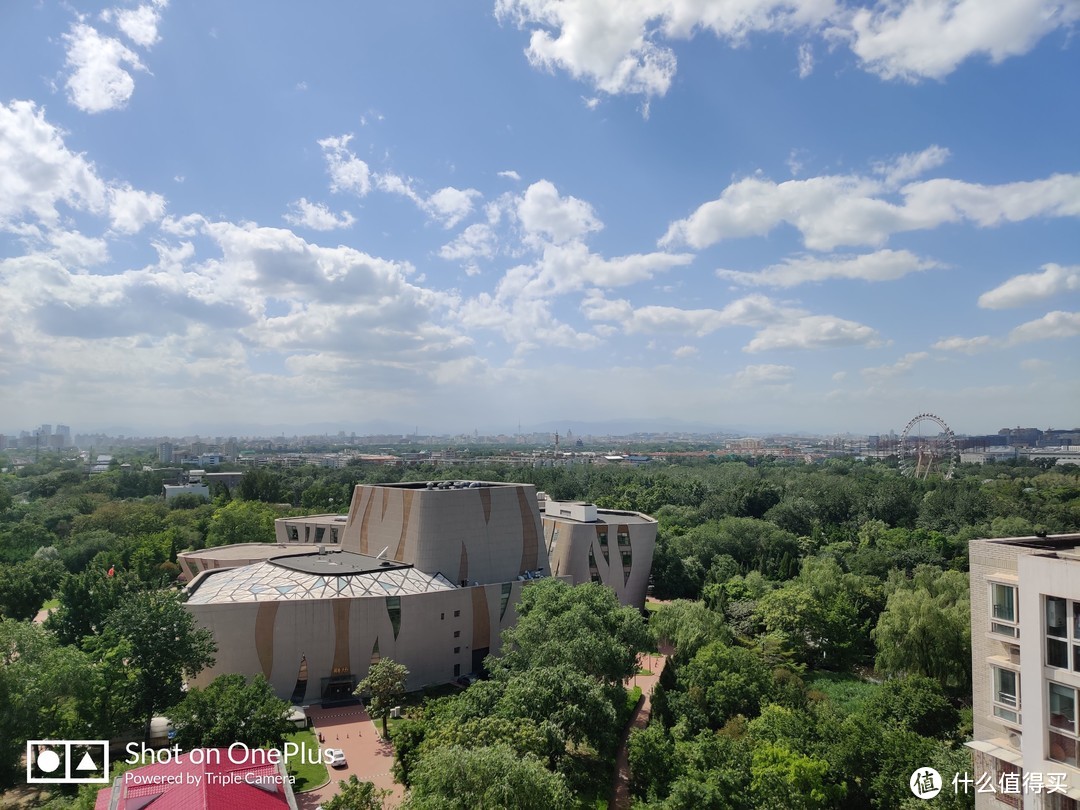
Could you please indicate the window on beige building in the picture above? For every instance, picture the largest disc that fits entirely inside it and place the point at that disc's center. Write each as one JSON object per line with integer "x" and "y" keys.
{"x": 1063, "y": 738}
{"x": 1004, "y": 615}
{"x": 1006, "y": 695}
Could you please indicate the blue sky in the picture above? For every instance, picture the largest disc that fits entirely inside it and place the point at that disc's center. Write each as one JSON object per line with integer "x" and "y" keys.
{"x": 776, "y": 214}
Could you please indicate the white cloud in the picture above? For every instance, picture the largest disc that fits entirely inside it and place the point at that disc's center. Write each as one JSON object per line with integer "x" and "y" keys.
{"x": 598, "y": 308}
{"x": 317, "y": 216}
{"x": 813, "y": 332}
{"x": 764, "y": 374}
{"x": 616, "y": 45}
{"x": 38, "y": 172}
{"x": 806, "y": 60}
{"x": 510, "y": 174}
{"x": 683, "y": 352}
{"x": 73, "y": 249}
{"x": 899, "y": 368}
{"x": 928, "y": 39}
{"x": 542, "y": 212}
{"x": 140, "y": 24}
{"x": 839, "y": 376}
{"x": 476, "y": 241}
{"x": 131, "y": 209}
{"x": 1029, "y": 287}
{"x": 625, "y": 46}
{"x": 451, "y": 205}
{"x": 911, "y": 165}
{"x": 99, "y": 78}
{"x": 964, "y": 345}
{"x": 1051, "y": 326}
{"x": 883, "y": 265}
{"x": 347, "y": 172}
{"x": 834, "y": 210}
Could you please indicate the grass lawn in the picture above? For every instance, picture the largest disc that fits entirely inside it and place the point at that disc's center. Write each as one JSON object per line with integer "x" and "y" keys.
{"x": 51, "y": 604}
{"x": 307, "y": 776}
{"x": 846, "y": 691}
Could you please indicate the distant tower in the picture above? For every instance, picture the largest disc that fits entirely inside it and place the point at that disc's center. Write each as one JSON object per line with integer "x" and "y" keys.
{"x": 165, "y": 453}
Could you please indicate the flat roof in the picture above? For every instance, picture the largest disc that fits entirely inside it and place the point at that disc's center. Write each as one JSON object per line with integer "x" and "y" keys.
{"x": 1053, "y": 542}
{"x": 335, "y": 563}
{"x": 248, "y": 551}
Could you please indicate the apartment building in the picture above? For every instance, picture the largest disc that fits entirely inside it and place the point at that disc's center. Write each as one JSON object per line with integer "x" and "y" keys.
{"x": 1025, "y": 649}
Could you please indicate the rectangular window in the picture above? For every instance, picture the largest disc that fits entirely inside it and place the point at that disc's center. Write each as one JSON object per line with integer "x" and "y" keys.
{"x": 294, "y": 534}
{"x": 457, "y": 613}
{"x": 603, "y": 539}
{"x": 1006, "y": 694}
{"x": 333, "y": 534}
{"x": 1055, "y": 617}
{"x": 1062, "y": 707}
{"x": 457, "y": 670}
{"x": 1003, "y": 610}
{"x": 457, "y": 650}
{"x": 319, "y": 532}
{"x": 457, "y": 634}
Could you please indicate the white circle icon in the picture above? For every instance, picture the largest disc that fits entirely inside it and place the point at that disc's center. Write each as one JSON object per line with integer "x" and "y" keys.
{"x": 925, "y": 783}
{"x": 48, "y": 761}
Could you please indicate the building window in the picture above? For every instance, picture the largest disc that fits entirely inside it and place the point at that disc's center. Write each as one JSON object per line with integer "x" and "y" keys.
{"x": 333, "y": 534}
{"x": 603, "y": 538}
{"x": 1061, "y": 634}
{"x": 393, "y": 607}
{"x": 1006, "y": 694}
{"x": 457, "y": 613}
{"x": 1062, "y": 707}
{"x": 294, "y": 535}
{"x": 554, "y": 540}
{"x": 457, "y": 650}
{"x": 457, "y": 634}
{"x": 1003, "y": 600}
{"x": 504, "y": 598}
{"x": 457, "y": 670}
{"x": 319, "y": 532}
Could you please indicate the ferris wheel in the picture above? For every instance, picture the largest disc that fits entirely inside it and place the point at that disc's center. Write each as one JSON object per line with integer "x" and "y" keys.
{"x": 927, "y": 448}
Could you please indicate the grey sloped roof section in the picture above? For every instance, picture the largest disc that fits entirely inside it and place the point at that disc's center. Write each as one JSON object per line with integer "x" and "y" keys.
{"x": 264, "y": 582}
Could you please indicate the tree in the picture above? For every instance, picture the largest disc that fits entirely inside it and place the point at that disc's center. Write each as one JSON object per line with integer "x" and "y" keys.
{"x": 782, "y": 778}
{"x": 228, "y": 710}
{"x": 455, "y": 778}
{"x": 260, "y": 485}
{"x": 721, "y": 682}
{"x": 386, "y": 682}
{"x": 582, "y": 626}
{"x": 165, "y": 647}
{"x": 925, "y": 628}
{"x": 24, "y": 586}
{"x": 915, "y": 703}
{"x": 86, "y": 600}
{"x": 356, "y": 795}
{"x": 241, "y": 522}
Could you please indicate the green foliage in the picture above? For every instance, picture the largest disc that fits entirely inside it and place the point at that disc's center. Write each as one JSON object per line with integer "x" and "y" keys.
{"x": 260, "y": 485}
{"x": 583, "y": 627}
{"x": 164, "y": 647}
{"x": 783, "y": 778}
{"x": 357, "y": 795}
{"x": 722, "y": 681}
{"x": 688, "y": 626}
{"x": 242, "y": 522}
{"x": 385, "y": 682}
{"x": 925, "y": 628}
{"x": 651, "y": 753}
{"x": 454, "y": 778}
{"x": 228, "y": 710}
{"x": 914, "y": 703}
{"x": 26, "y": 585}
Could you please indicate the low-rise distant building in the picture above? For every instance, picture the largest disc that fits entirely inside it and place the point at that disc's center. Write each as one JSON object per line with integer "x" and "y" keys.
{"x": 171, "y": 491}
{"x": 427, "y": 574}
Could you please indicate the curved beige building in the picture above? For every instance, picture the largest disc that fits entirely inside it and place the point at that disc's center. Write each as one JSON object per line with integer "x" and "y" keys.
{"x": 427, "y": 574}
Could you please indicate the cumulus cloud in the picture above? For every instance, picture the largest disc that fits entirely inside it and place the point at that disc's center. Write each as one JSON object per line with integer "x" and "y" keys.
{"x": 683, "y": 352}
{"x": 833, "y": 210}
{"x": 813, "y": 332}
{"x": 317, "y": 216}
{"x": 510, "y": 174}
{"x": 100, "y": 79}
{"x": 451, "y": 205}
{"x": 544, "y": 213}
{"x": 1051, "y": 326}
{"x": 928, "y": 39}
{"x": 1029, "y": 287}
{"x": 139, "y": 24}
{"x": 883, "y": 265}
{"x": 38, "y": 172}
{"x": 131, "y": 209}
{"x": 621, "y": 47}
{"x": 347, "y": 172}
{"x": 476, "y": 241}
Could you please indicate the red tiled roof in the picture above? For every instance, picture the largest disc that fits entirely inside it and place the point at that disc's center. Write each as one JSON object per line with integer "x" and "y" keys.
{"x": 214, "y": 783}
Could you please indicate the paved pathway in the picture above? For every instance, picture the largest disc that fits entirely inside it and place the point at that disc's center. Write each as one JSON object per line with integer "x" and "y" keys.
{"x": 369, "y": 756}
{"x": 619, "y": 798}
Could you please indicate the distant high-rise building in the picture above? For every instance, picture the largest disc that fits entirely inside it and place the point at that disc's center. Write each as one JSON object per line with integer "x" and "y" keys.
{"x": 65, "y": 433}
{"x": 165, "y": 453}
{"x": 3, "y": 442}
{"x": 45, "y": 430}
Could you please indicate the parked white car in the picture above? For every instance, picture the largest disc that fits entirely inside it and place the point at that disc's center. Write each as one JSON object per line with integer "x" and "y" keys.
{"x": 334, "y": 757}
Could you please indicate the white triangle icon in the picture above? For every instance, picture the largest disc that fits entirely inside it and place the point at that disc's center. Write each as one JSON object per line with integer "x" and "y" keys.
{"x": 86, "y": 763}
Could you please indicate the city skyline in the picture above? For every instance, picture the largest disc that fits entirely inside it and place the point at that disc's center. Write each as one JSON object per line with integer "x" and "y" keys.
{"x": 791, "y": 217}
